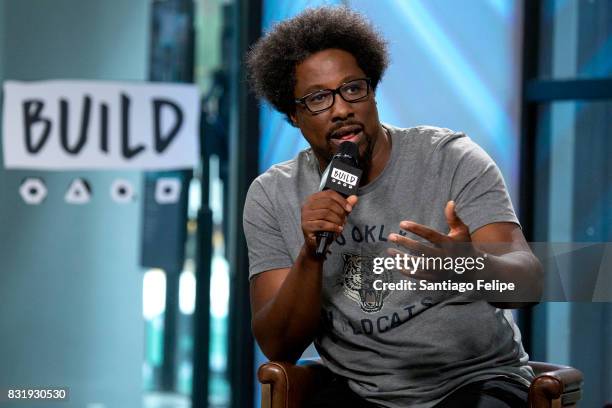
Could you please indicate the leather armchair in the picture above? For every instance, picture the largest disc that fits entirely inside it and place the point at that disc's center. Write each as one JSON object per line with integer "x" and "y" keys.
{"x": 285, "y": 385}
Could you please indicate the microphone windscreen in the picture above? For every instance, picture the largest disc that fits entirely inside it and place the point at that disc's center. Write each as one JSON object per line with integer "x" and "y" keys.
{"x": 349, "y": 149}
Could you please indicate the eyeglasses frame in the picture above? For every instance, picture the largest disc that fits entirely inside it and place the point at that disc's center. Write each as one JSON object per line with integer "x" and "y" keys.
{"x": 302, "y": 100}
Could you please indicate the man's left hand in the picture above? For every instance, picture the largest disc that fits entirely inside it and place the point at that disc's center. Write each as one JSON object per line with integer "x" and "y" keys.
{"x": 457, "y": 243}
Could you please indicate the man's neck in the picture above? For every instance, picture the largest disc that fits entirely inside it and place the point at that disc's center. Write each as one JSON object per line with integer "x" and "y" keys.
{"x": 381, "y": 151}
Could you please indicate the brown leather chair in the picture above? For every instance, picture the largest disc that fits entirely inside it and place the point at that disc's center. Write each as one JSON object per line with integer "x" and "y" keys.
{"x": 285, "y": 385}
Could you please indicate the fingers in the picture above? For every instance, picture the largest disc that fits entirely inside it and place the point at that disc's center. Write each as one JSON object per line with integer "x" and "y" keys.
{"x": 325, "y": 214}
{"x": 408, "y": 267}
{"x": 335, "y": 196}
{"x": 443, "y": 245}
{"x": 322, "y": 225}
{"x": 325, "y": 211}
{"x": 327, "y": 205}
{"x": 352, "y": 200}
{"x": 416, "y": 267}
{"x": 413, "y": 245}
{"x": 323, "y": 207}
{"x": 425, "y": 232}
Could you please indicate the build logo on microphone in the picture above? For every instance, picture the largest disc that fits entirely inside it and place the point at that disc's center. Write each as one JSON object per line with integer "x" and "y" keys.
{"x": 344, "y": 178}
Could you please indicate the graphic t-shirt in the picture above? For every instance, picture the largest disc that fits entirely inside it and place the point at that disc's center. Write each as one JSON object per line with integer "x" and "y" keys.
{"x": 396, "y": 348}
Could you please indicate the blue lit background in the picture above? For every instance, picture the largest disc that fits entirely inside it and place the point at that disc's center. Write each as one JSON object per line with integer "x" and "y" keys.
{"x": 453, "y": 64}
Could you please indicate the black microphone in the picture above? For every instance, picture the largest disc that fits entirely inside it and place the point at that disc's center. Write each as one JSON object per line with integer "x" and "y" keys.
{"x": 341, "y": 175}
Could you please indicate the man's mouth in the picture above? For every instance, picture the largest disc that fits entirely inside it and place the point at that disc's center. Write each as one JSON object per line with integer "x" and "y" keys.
{"x": 347, "y": 133}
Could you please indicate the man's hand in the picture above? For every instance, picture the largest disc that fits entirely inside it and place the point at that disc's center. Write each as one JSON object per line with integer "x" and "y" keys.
{"x": 324, "y": 211}
{"x": 457, "y": 243}
{"x": 509, "y": 258}
{"x": 286, "y": 302}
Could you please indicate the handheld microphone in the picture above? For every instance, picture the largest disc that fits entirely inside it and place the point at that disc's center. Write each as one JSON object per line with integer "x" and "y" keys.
{"x": 341, "y": 175}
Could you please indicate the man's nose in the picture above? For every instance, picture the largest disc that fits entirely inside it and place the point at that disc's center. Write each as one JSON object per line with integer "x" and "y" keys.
{"x": 341, "y": 110}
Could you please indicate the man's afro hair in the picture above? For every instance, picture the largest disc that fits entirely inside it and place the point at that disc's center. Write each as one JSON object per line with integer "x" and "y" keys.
{"x": 272, "y": 60}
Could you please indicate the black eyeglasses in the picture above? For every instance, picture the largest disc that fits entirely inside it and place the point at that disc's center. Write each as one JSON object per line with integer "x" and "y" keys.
{"x": 351, "y": 91}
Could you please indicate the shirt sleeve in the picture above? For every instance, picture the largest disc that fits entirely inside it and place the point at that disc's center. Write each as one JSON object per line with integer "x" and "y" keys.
{"x": 266, "y": 247}
{"x": 478, "y": 187}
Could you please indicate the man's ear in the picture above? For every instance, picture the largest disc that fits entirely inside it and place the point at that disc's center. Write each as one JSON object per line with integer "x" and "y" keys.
{"x": 293, "y": 118}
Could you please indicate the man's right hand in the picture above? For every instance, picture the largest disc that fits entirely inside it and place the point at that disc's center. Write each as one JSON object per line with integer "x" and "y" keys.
{"x": 286, "y": 302}
{"x": 324, "y": 211}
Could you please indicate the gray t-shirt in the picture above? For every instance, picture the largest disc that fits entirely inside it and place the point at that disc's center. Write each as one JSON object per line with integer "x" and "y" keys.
{"x": 396, "y": 348}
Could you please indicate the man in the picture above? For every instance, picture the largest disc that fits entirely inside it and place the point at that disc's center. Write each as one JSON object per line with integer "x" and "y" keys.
{"x": 386, "y": 348}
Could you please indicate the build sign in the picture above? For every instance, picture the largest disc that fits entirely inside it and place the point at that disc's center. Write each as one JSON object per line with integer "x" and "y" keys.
{"x": 64, "y": 125}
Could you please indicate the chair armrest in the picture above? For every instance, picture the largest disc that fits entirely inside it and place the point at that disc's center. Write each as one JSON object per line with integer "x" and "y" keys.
{"x": 285, "y": 385}
{"x": 555, "y": 382}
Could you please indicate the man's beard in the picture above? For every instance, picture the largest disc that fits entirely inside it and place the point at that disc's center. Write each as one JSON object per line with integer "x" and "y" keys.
{"x": 365, "y": 159}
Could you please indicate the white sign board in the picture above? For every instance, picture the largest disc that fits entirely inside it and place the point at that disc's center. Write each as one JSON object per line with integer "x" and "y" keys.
{"x": 65, "y": 125}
